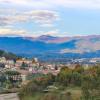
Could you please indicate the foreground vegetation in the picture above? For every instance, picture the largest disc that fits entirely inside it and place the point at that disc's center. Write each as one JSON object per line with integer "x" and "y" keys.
{"x": 67, "y": 94}
{"x": 69, "y": 84}
{"x": 10, "y": 81}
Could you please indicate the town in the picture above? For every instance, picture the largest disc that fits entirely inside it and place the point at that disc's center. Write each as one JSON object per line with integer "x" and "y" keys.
{"x": 32, "y": 66}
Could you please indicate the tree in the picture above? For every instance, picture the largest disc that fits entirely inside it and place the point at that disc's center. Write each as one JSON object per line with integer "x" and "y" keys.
{"x": 78, "y": 68}
{"x": 76, "y": 79}
{"x": 2, "y": 65}
{"x": 2, "y": 79}
{"x": 24, "y": 65}
{"x": 13, "y": 77}
{"x": 64, "y": 77}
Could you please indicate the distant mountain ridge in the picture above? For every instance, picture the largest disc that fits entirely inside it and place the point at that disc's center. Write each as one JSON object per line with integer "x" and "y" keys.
{"x": 50, "y": 46}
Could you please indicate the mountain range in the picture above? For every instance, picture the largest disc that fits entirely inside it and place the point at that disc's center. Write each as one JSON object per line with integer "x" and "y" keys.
{"x": 52, "y": 47}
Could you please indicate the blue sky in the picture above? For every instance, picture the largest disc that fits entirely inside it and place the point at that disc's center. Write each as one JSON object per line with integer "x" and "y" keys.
{"x": 53, "y": 17}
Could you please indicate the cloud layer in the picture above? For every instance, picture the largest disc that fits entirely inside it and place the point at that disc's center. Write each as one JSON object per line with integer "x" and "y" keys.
{"x": 12, "y": 32}
{"x": 42, "y": 17}
{"x": 94, "y": 4}
{"x": 10, "y": 17}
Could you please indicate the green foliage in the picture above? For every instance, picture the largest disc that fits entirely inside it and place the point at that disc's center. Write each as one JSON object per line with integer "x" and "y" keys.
{"x": 24, "y": 66}
{"x": 76, "y": 79}
{"x": 34, "y": 76}
{"x": 2, "y": 78}
{"x": 11, "y": 73}
{"x": 38, "y": 84}
{"x": 91, "y": 84}
{"x": 13, "y": 79}
{"x": 68, "y": 76}
{"x": 87, "y": 80}
{"x": 8, "y": 55}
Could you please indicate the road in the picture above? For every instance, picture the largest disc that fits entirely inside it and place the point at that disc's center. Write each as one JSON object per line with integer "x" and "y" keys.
{"x": 11, "y": 96}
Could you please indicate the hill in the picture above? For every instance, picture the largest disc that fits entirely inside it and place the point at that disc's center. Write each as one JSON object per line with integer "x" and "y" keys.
{"x": 7, "y": 55}
{"x": 52, "y": 47}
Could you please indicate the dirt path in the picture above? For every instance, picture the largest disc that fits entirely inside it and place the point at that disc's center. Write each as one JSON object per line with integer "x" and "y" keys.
{"x": 11, "y": 96}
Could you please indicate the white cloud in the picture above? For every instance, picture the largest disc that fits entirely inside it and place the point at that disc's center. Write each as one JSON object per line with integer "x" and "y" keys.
{"x": 47, "y": 25}
{"x": 94, "y": 4}
{"x": 12, "y": 32}
{"x": 27, "y": 3}
{"x": 44, "y": 17}
{"x": 53, "y": 32}
{"x": 25, "y": 33}
{"x": 41, "y": 17}
{"x": 39, "y": 33}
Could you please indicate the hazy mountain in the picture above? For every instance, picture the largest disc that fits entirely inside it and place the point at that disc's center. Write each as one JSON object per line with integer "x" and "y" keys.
{"x": 53, "y": 39}
{"x": 49, "y": 46}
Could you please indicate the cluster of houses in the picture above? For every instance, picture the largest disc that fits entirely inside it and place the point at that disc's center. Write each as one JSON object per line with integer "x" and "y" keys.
{"x": 27, "y": 66}
{"x": 33, "y": 66}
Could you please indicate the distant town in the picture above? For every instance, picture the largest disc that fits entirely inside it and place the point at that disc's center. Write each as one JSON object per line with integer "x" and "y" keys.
{"x": 26, "y": 66}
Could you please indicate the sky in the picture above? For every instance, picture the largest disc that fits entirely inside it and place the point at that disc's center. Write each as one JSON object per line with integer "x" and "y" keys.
{"x": 49, "y": 17}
